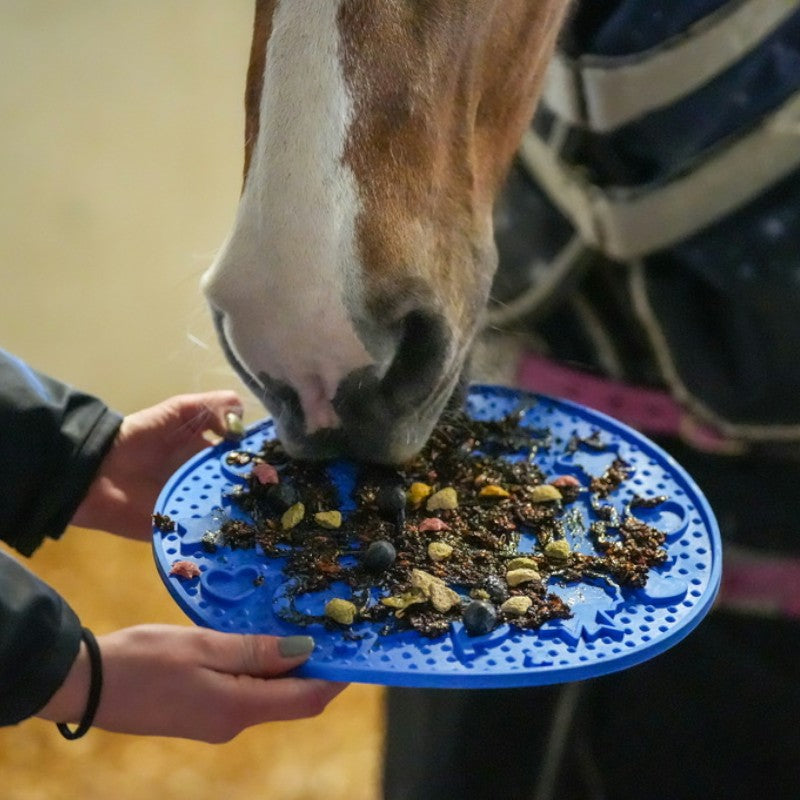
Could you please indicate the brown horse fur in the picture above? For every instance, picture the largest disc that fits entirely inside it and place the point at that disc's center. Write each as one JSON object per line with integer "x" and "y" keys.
{"x": 441, "y": 93}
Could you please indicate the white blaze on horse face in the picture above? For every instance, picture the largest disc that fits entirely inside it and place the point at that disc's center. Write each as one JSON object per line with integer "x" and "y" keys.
{"x": 289, "y": 274}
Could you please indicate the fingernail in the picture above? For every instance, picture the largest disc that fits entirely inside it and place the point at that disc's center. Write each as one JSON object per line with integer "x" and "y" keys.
{"x": 294, "y": 646}
{"x": 233, "y": 425}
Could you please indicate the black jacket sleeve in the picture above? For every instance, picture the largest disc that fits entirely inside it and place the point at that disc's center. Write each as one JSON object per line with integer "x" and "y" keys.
{"x": 52, "y": 440}
{"x": 39, "y": 639}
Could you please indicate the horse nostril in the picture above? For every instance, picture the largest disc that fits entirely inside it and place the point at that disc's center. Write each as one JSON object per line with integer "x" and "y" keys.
{"x": 281, "y": 394}
{"x": 367, "y": 402}
{"x": 419, "y": 361}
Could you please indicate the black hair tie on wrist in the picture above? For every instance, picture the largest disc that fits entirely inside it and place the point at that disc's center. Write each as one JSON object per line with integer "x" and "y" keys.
{"x": 95, "y": 687}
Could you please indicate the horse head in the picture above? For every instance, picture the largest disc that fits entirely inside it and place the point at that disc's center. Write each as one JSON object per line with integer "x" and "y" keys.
{"x": 378, "y": 134}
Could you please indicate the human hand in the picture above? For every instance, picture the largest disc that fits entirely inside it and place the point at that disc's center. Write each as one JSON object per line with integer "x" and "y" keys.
{"x": 150, "y": 445}
{"x": 192, "y": 683}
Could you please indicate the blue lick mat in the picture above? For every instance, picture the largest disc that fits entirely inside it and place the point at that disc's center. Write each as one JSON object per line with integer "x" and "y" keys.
{"x": 611, "y": 628}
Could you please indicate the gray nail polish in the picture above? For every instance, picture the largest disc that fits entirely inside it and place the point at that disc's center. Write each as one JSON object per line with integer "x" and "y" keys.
{"x": 293, "y": 646}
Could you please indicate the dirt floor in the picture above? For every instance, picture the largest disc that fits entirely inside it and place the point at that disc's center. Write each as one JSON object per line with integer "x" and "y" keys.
{"x": 120, "y": 149}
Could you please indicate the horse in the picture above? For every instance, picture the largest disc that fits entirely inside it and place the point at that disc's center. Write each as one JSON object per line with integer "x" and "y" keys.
{"x": 354, "y": 282}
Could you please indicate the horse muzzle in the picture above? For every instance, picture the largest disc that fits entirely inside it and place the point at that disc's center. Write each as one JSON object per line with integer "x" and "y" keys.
{"x": 374, "y": 415}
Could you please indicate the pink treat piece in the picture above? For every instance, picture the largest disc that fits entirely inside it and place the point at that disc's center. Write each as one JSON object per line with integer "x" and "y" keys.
{"x": 432, "y": 524}
{"x": 265, "y": 473}
{"x": 565, "y": 480}
{"x": 185, "y": 569}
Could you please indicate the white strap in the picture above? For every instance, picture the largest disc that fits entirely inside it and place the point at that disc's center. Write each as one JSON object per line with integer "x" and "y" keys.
{"x": 630, "y": 223}
{"x": 603, "y": 93}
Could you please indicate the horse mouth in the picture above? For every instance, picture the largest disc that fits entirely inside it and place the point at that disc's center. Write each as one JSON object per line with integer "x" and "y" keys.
{"x": 381, "y": 421}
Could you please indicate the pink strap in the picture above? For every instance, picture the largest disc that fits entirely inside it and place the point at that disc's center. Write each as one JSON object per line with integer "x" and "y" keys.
{"x": 649, "y": 410}
{"x": 760, "y": 584}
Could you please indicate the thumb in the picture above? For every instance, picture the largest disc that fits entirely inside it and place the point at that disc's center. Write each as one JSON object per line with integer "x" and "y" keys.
{"x": 198, "y": 414}
{"x": 257, "y": 655}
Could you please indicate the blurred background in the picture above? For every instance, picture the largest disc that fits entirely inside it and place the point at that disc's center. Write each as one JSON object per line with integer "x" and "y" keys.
{"x": 121, "y": 128}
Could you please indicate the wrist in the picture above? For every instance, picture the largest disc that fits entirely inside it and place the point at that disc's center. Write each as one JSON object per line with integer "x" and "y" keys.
{"x": 69, "y": 701}
{"x": 89, "y": 514}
